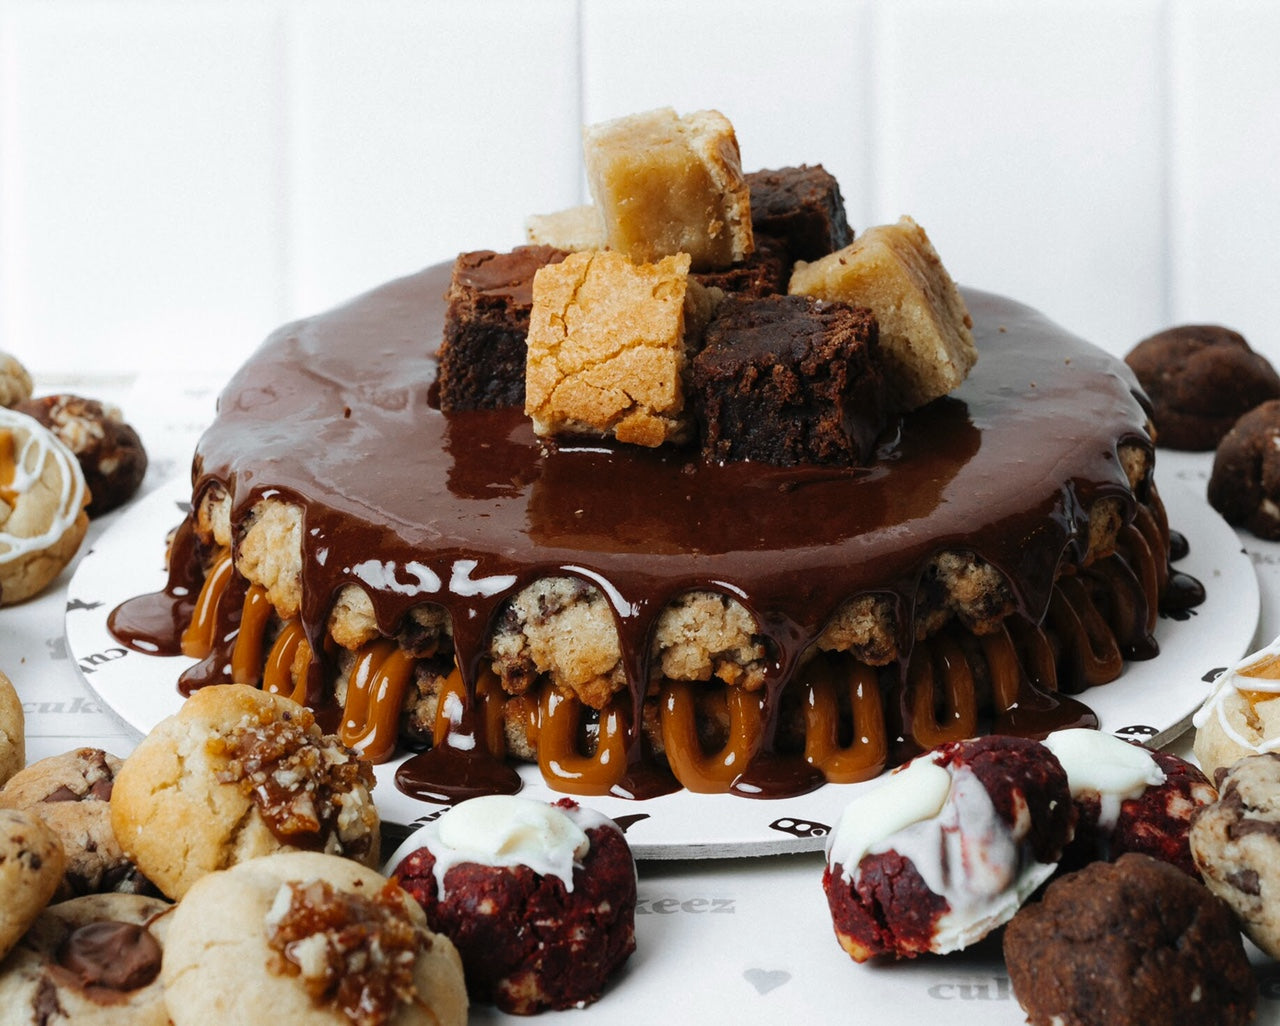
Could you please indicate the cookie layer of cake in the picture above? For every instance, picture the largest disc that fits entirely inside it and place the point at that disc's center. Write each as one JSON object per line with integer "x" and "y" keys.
{"x": 954, "y": 554}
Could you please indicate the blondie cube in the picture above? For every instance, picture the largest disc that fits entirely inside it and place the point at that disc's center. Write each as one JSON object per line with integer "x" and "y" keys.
{"x": 926, "y": 337}
{"x": 609, "y": 347}
{"x": 666, "y": 184}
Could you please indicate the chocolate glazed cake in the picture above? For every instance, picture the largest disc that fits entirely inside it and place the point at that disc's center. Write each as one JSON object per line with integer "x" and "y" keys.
{"x": 1005, "y": 549}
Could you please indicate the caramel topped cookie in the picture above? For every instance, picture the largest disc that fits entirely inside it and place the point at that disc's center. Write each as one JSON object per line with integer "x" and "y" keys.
{"x": 1200, "y": 379}
{"x": 305, "y": 938}
{"x": 236, "y": 773}
{"x": 42, "y": 506}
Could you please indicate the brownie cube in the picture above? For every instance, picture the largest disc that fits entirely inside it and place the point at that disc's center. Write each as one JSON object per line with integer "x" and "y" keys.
{"x": 765, "y": 272}
{"x": 802, "y": 206}
{"x": 789, "y": 380}
{"x": 482, "y": 353}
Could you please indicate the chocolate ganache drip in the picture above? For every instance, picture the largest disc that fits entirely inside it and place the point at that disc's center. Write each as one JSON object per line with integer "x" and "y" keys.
{"x": 466, "y": 509}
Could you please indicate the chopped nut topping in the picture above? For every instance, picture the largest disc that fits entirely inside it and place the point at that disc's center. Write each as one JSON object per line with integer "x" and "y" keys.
{"x": 351, "y": 951}
{"x": 304, "y": 783}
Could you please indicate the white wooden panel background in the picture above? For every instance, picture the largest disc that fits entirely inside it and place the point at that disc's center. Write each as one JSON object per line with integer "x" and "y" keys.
{"x": 178, "y": 177}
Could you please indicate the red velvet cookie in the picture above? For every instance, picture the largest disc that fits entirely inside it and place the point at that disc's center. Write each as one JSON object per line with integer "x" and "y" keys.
{"x": 539, "y": 899}
{"x": 947, "y": 848}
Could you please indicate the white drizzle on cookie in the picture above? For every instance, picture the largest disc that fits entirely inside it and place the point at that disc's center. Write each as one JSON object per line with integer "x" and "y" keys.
{"x": 28, "y": 452}
{"x": 1255, "y": 678}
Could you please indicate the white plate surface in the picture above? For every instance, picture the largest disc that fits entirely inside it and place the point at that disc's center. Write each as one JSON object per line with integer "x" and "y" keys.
{"x": 1151, "y": 699}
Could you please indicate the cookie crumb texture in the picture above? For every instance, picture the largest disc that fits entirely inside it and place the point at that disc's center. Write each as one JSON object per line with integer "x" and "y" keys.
{"x": 1129, "y": 943}
{"x": 528, "y": 943}
{"x": 237, "y": 773}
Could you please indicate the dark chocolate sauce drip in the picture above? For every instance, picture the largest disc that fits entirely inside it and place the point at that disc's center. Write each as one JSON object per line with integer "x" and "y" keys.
{"x": 465, "y": 509}
{"x": 110, "y": 954}
{"x": 153, "y": 623}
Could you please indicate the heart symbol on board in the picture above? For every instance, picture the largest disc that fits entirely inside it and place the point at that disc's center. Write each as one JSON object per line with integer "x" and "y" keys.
{"x": 765, "y": 980}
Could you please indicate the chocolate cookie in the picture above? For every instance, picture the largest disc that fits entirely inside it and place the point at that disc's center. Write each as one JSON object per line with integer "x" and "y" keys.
{"x": 236, "y": 773}
{"x": 92, "y": 960}
{"x": 1200, "y": 378}
{"x": 71, "y": 793}
{"x": 1236, "y": 844}
{"x": 1244, "y": 485}
{"x": 13, "y": 735}
{"x": 303, "y": 938}
{"x": 947, "y": 848}
{"x": 109, "y": 450}
{"x": 539, "y": 899}
{"x": 30, "y": 869}
{"x": 1129, "y": 943}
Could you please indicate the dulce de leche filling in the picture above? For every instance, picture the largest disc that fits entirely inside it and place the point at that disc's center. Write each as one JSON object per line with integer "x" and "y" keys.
{"x": 465, "y": 509}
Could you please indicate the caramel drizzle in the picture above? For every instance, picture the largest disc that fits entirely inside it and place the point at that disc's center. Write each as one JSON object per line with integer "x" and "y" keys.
{"x": 200, "y": 634}
{"x": 8, "y": 468}
{"x": 938, "y": 687}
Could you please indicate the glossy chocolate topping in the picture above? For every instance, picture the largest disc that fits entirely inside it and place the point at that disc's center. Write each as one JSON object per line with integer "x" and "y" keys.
{"x": 465, "y": 509}
{"x": 117, "y": 956}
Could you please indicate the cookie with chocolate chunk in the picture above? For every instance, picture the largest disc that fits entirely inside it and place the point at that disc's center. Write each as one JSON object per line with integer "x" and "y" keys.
{"x": 30, "y": 869}
{"x": 1200, "y": 379}
{"x": 94, "y": 959}
{"x": 303, "y": 938}
{"x": 1236, "y": 844}
{"x": 237, "y": 773}
{"x": 71, "y": 792}
{"x": 1244, "y": 485}
{"x": 1128, "y": 943}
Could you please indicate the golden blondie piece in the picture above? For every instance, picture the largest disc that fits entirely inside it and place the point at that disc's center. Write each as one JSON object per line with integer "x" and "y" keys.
{"x": 926, "y": 339}
{"x": 608, "y": 347}
{"x": 666, "y": 184}
{"x": 574, "y": 229}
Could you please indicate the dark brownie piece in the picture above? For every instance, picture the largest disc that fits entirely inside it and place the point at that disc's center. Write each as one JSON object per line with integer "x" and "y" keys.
{"x": 801, "y": 205}
{"x": 788, "y": 380}
{"x": 764, "y": 273}
{"x": 1200, "y": 379}
{"x": 482, "y": 352}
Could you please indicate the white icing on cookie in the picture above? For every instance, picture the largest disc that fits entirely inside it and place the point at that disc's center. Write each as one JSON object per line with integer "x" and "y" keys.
{"x": 1103, "y": 764}
{"x": 506, "y": 831}
{"x": 1258, "y": 673}
{"x": 34, "y": 449}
